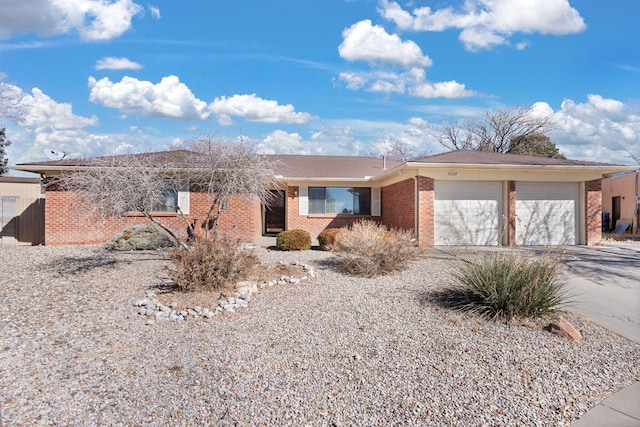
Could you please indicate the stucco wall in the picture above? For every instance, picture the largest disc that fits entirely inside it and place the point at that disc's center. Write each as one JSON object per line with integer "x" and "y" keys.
{"x": 623, "y": 186}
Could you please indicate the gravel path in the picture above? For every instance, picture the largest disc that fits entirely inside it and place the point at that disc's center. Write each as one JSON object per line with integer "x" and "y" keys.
{"x": 337, "y": 350}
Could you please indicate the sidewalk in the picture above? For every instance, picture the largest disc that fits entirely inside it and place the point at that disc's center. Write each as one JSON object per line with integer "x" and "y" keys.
{"x": 621, "y": 409}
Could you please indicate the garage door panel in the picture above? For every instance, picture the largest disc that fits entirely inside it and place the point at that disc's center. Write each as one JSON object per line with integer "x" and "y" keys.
{"x": 467, "y": 213}
{"x": 546, "y": 213}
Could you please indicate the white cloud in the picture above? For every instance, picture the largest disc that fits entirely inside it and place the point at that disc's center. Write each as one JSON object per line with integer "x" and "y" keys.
{"x": 92, "y": 19}
{"x": 155, "y": 11}
{"x": 600, "y": 129}
{"x": 487, "y": 23}
{"x": 48, "y": 125}
{"x": 366, "y": 42}
{"x": 450, "y": 89}
{"x": 113, "y": 63}
{"x": 412, "y": 82}
{"x": 255, "y": 109}
{"x": 169, "y": 98}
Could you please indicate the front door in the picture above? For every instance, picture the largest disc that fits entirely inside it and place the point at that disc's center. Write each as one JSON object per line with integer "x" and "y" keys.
{"x": 615, "y": 211}
{"x": 274, "y": 213}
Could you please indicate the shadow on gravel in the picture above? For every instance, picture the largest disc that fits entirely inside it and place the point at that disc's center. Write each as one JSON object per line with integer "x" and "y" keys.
{"x": 79, "y": 265}
{"x": 73, "y": 265}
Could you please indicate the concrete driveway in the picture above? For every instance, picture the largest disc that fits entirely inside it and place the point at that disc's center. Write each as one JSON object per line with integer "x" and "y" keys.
{"x": 605, "y": 282}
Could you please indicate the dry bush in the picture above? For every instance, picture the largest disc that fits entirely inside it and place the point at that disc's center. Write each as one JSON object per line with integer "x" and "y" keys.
{"x": 293, "y": 240}
{"x": 368, "y": 249}
{"x": 211, "y": 265}
{"x": 327, "y": 237}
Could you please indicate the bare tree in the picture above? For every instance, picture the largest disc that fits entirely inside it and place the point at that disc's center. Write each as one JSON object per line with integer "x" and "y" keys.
{"x": 495, "y": 131}
{"x": 109, "y": 186}
{"x": 400, "y": 151}
{"x": 224, "y": 169}
{"x": 141, "y": 182}
{"x": 11, "y": 105}
{"x": 4, "y": 143}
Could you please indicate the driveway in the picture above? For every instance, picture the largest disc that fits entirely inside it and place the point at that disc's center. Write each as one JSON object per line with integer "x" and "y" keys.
{"x": 605, "y": 284}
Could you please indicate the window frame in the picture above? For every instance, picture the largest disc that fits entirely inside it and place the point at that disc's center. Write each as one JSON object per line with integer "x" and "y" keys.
{"x": 354, "y": 209}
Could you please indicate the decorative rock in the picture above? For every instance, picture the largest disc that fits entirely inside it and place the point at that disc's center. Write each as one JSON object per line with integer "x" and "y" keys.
{"x": 155, "y": 311}
{"x": 563, "y": 328}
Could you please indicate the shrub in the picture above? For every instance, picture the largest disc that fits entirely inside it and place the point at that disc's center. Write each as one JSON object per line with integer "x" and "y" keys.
{"x": 508, "y": 285}
{"x": 293, "y": 240}
{"x": 140, "y": 237}
{"x": 327, "y": 237}
{"x": 368, "y": 249}
{"x": 211, "y": 265}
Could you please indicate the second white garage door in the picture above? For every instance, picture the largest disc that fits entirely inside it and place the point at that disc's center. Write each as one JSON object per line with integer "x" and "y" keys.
{"x": 467, "y": 213}
{"x": 546, "y": 213}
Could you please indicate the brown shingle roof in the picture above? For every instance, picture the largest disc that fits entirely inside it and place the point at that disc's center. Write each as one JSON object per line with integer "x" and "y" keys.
{"x": 286, "y": 165}
{"x": 299, "y": 166}
{"x": 472, "y": 157}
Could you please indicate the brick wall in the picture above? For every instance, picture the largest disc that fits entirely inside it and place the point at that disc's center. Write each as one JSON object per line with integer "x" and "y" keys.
{"x": 511, "y": 216}
{"x": 426, "y": 216}
{"x": 398, "y": 205}
{"x": 593, "y": 212}
{"x": 66, "y": 224}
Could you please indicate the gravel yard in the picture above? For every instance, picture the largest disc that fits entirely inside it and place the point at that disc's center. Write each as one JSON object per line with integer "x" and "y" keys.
{"x": 335, "y": 350}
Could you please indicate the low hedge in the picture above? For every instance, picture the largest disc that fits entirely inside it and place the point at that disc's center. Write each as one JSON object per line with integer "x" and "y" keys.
{"x": 293, "y": 240}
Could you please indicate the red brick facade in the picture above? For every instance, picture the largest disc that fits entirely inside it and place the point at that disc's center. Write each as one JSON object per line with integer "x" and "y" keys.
{"x": 593, "y": 212}
{"x": 242, "y": 218}
{"x": 398, "y": 205}
{"x": 65, "y": 224}
{"x": 511, "y": 216}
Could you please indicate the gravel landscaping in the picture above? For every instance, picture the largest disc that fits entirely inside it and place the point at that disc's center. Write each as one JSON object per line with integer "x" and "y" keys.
{"x": 330, "y": 350}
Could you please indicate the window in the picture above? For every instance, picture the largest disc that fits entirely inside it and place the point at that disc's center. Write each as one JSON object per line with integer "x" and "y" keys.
{"x": 168, "y": 200}
{"x": 340, "y": 200}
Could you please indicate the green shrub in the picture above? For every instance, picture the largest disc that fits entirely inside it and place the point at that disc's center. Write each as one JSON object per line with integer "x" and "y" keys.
{"x": 327, "y": 237}
{"x": 210, "y": 265}
{"x": 505, "y": 285}
{"x": 368, "y": 249}
{"x": 140, "y": 237}
{"x": 293, "y": 240}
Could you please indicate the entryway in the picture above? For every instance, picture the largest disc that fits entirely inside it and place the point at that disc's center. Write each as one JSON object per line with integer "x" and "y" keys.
{"x": 274, "y": 213}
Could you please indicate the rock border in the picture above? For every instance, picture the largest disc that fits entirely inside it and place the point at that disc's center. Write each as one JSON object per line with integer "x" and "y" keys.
{"x": 155, "y": 311}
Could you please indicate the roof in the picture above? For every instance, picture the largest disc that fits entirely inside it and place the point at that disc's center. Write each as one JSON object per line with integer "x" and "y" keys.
{"x": 285, "y": 165}
{"x": 301, "y": 167}
{"x": 18, "y": 180}
{"x": 472, "y": 157}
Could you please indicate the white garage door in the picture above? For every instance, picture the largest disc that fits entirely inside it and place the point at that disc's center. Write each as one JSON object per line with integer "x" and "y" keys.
{"x": 546, "y": 213}
{"x": 467, "y": 213}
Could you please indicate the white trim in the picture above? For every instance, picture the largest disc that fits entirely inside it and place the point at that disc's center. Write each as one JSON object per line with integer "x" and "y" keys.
{"x": 303, "y": 201}
{"x": 375, "y": 201}
{"x": 184, "y": 198}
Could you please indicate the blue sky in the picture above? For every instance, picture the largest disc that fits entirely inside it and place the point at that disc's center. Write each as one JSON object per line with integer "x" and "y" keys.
{"x": 315, "y": 76}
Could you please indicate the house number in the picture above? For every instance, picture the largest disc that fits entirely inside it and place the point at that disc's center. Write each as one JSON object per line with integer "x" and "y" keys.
{"x": 451, "y": 173}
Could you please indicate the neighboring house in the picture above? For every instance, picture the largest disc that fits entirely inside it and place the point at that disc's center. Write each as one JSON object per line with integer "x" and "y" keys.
{"x": 21, "y": 211}
{"x": 456, "y": 198}
{"x": 621, "y": 199}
